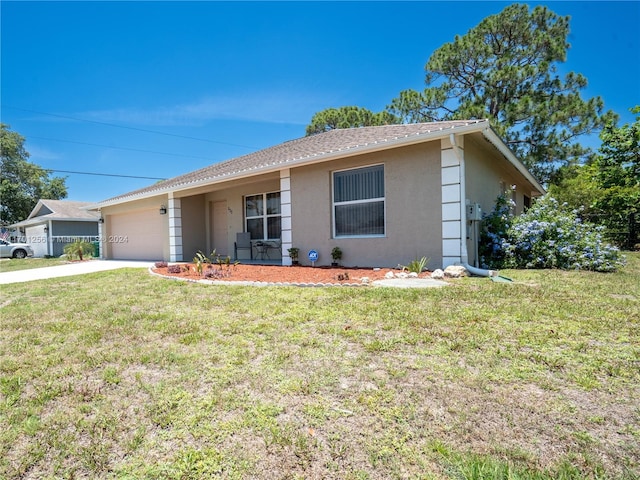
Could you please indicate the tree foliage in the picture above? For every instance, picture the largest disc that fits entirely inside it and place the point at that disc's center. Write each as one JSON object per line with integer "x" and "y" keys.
{"x": 22, "y": 183}
{"x": 607, "y": 188}
{"x": 505, "y": 69}
{"x": 348, "y": 117}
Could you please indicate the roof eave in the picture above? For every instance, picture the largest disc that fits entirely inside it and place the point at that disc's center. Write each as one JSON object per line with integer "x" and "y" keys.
{"x": 497, "y": 142}
{"x": 308, "y": 160}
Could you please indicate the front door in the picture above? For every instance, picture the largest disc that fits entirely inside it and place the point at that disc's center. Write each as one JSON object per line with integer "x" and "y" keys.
{"x": 219, "y": 227}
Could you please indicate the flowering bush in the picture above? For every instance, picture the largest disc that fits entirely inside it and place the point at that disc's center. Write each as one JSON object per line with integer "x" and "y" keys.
{"x": 494, "y": 229}
{"x": 549, "y": 235}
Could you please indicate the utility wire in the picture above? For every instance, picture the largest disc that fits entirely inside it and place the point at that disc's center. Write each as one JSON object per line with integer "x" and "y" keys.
{"x": 120, "y": 148}
{"x": 128, "y": 128}
{"x": 104, "y": 174}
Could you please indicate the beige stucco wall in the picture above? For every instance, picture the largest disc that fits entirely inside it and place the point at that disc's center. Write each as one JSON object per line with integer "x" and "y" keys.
{"x": 486, "y": 170}
{"x": 194, "y": 231}
{"x": 412, "y": 209}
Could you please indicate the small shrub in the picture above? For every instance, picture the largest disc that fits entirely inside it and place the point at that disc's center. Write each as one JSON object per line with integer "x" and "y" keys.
{"x": 79, "y": 249}
{"x": 293, "y": 253}
{"x": 216, "y": 273}
{"x": 161, "y": 264}
{"x": 416, "y": 266}
{"x": 174, "y": 269}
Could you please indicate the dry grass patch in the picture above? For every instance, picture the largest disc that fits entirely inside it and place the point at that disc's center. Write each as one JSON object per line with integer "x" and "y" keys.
{"x": 124, "y": 375}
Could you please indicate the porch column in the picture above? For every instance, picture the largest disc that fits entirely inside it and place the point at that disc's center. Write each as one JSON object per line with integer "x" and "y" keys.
{"x": 175, "y": 229}
{"x": 285, "y": 212}
{"x": 49, "y": 238}
{"x": 451, "y": 202}
{"x": 102, "y": 241}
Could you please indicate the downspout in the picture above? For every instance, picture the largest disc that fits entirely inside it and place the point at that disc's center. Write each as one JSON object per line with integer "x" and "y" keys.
{"x": 464, "y": 255}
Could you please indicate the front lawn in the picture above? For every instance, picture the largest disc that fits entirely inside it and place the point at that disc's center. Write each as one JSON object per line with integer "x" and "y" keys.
{"x": 125, "y": 375}
{"x": 13, "y": 264}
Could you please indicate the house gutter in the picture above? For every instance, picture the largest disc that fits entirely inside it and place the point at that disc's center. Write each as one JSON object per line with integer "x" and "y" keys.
{"x": 464, "y": 255}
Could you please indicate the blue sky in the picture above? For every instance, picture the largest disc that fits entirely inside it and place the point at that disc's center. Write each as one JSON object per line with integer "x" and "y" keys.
{"x": 158, "y": 89}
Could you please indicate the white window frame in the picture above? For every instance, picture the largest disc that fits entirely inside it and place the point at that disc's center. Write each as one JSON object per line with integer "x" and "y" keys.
{"x": 334, "y": 204}
{"x": 265, "y": 215}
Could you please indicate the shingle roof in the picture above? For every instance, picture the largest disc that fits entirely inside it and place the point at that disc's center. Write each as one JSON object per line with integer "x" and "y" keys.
{"x": 314, "y": 147}
{"x": 59, "y": 210}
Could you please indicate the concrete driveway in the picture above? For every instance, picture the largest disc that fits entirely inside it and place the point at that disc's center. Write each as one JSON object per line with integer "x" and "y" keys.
{"x": 68, "y": 270}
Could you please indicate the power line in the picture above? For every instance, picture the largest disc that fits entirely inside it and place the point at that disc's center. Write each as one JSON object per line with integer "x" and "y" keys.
{"x": 104, "y": 174}
{"x": 127, "y": 128}
{"x": 119, "y": 148}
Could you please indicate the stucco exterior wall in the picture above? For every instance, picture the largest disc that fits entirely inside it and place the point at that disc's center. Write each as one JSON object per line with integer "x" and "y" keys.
{"x": 193, "y": 226}
{"x": 486, "y": 172}
{"x": 412, "y": 209}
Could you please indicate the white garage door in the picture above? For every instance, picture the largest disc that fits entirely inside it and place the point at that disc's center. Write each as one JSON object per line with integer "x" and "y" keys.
{"x": 37, "y": 238}
{"x": 136, "y": 235}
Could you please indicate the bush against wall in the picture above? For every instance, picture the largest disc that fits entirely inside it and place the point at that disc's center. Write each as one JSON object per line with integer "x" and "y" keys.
{"x": 548, "y": 235}
{"x": 80, "y": 249}
{"x": 494, "y": 229}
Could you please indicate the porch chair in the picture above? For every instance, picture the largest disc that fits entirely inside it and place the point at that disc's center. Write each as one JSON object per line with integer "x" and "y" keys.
{"x": 243, "y": 242}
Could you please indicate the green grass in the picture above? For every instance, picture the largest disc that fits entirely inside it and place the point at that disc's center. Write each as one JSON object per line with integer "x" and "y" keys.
{"x": 125, "y": 375}
{"x": 13, "y": 264}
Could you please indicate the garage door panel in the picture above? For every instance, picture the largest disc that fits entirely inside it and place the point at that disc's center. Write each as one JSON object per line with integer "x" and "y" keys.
{"x": 137, "y": 235}
{"x": 37, "y": 238}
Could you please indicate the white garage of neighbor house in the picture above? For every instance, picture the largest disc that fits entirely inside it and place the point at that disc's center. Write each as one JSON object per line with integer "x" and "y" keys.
{"x": 384, "y": 195}
{"x": 52, "y": 224}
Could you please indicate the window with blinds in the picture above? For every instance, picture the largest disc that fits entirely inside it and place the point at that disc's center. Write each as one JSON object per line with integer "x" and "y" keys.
{"x": 359, "y": 202}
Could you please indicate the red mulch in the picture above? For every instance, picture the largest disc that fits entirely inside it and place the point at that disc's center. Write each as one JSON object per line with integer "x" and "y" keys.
{"x": 293, "y": 274}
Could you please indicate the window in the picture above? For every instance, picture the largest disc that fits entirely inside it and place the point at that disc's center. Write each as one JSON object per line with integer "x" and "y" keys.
{"x": 358, "y": 202}
{"x": 262, "y": 216}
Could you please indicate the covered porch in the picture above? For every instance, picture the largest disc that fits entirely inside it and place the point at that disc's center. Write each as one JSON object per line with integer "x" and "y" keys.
{"x": 250, "y": 222}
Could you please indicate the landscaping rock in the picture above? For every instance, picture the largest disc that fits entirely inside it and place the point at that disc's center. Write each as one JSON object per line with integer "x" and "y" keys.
{"x": 438, "y": 274}
{"x": 455, "y": 271}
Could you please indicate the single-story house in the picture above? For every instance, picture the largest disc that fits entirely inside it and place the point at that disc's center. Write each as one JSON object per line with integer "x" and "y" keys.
{"x": 384, "y": 195}
{"x": 52, "y": 224}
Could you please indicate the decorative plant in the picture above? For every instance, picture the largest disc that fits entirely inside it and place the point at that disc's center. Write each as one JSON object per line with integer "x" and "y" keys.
{"x": 79, "y": 249}
{"x": 161, "y": 264}
{"x": 174, "y": 269}
{"x": 336, "y": 254}
{"x": 417, "y": 266}
{"x": 199, "y": 261}
{"x": 293, "y": 254}
{"x": 220, "y": 260}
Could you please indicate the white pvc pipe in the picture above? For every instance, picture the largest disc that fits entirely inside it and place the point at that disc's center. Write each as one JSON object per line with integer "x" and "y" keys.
{"x": 464, "y": 255}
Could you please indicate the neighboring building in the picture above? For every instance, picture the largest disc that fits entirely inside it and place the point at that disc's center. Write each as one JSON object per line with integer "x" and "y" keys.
{"x": 385, "y": 195}
{"x": 52, "y": 224}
